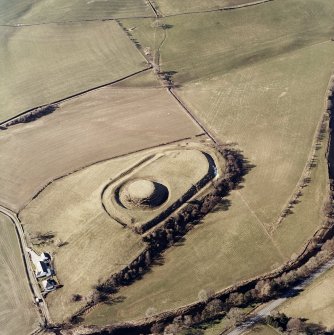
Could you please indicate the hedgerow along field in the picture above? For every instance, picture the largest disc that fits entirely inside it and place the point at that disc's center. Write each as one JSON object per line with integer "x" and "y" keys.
{"x": 45, "y": 58}
{"x": 17, "y": 312}
{"x": 36, "y": 12}
{"x": 99, "y": 125}
{"x": 315, "y": 303}
{"x": 266, "y": 92}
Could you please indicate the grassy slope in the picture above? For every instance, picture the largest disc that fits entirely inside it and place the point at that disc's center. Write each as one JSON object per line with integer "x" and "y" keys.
{"x": 167, "y": 7}
{"x": 17, "y": 312}
{"x": 297, "y": 228}
{"x": 41, "y": 64}
{"x": 227, "y": 247}
{"x": 316, "y": 303}
{"x": 271, "y": 110}
{"x": 238, "y": 38}
{"x": 71, "y": 208}
{"x": 39, "y": 11}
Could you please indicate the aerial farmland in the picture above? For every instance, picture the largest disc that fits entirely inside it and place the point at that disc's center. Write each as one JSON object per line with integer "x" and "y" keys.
{"x": 166, "y": 167}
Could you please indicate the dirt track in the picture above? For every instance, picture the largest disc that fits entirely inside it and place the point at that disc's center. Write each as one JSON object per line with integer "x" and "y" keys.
{"x": 35, "y": 289}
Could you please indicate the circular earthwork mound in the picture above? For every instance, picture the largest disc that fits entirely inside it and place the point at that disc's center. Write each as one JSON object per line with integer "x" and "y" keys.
{"x": 142, "y": 193}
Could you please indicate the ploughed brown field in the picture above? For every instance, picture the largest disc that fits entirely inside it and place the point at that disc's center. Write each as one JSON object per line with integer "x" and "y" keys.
{"x": 103, "y": 124}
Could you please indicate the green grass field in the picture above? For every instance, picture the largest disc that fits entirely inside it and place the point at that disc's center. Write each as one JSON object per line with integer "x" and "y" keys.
{"x": 38, "y": 11}
{"x": 229, "y": 40}
{"x": 271, "y": 110}
{"x": 170, "y": 7}
{"x": 263, "y": 330}
{"x": 18, "y": 315}
{"x": 41, "y": 64}
{"x": 307, "y": 215}
{"x": 316, "y": 303}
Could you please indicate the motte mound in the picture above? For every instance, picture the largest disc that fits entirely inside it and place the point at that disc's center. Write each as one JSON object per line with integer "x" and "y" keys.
{"x": 143, "y": 193}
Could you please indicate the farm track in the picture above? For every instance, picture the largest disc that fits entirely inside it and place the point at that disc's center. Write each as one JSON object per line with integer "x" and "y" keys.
{"x": 33, "y": 284}
{"x": 169, "y": 89}
{"x": 262, "y": 225}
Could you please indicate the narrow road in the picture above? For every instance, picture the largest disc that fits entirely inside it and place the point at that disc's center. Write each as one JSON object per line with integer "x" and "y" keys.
{"x": 35, "y": 288}
{"x": 267, "y": 308}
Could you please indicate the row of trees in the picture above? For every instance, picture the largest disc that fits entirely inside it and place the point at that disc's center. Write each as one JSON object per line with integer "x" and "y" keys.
{"x": 295, "y": 326}
{"x": 229, "y": 306}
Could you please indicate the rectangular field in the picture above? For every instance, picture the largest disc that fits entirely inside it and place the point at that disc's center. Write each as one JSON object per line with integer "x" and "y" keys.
{"x": 102, "y": 124}
{"x": 42, "y": 11}
{"x": 230, "y": 40}
{"x": 170, "y": 7}
{"x": 271, "y": 110}
{"x": 18, "y": 315}
{"x": 45, "y": 63}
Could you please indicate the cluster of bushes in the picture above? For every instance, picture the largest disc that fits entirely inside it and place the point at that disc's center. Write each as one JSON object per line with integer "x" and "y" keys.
{"x": 296, "y": 326}
{"x": 330, "y": 100}
{"x": 127, "y": 32}
{"x": 43, "y": 238}
{"x": 32, "y": 115}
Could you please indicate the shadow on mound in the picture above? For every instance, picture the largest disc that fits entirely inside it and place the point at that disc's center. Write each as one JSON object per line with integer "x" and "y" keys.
{"x": 142, "y": 193}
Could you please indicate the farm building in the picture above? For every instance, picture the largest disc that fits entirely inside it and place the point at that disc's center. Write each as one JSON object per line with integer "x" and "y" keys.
{"x": 43, "y": 269}
{"x": 42, "y": 263}
{"x": 49, "y": 285}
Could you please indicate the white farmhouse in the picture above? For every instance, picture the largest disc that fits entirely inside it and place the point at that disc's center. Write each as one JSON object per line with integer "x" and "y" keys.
{"x": 49, "y": 285}
{"x": 43, "y": 269}
{"x": 42, "y": 263}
